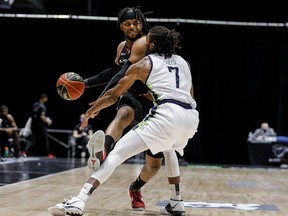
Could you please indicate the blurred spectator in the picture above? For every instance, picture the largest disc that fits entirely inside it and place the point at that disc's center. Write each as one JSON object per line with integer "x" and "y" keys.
{"x": 9, "y": 136}
{"x": 82, "y": 136}
{"x": 263, "y": 133}
{"x": 39, "y": 126}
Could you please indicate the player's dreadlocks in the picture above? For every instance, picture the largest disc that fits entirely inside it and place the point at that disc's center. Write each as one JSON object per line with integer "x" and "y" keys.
{"x": 133, "y": 13}
{"x": 165, "y": 40}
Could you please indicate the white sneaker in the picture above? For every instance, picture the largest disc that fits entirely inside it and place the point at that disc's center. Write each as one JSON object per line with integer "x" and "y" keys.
{"x": 96, "y": 150}
{"x": 72, "y": 206}
{"x": 174, "y": 207}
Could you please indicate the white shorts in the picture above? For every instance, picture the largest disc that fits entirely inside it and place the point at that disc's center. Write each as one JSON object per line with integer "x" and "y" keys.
{"x": 168, "y": 126}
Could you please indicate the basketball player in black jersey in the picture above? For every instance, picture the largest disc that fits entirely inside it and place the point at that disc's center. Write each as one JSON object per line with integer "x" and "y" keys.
{"x": 134, "y": 104}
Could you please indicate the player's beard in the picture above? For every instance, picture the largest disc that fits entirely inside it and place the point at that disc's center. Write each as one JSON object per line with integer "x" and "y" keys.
{"x": 134, "y": 38}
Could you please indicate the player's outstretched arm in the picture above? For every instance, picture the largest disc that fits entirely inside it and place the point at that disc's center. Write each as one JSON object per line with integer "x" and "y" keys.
{"x": 103, "y": 77}
{"x": 117, "y": 77}
{"x": 138, "y": 71}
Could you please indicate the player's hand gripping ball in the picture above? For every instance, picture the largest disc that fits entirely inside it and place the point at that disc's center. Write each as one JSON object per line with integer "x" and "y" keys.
{"x": 70, "y": 86}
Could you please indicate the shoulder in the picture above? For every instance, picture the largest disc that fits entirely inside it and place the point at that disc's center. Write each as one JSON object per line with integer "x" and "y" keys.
{"x": 36, "y": 103}
{"x": 138, "y": 50}
{"x": 141, "y": 39}
{"x": 188, "y": 64}
{"x": 10, "y": 117}
{"x": 140, "y": 42}
{"x": 121, "y": 45}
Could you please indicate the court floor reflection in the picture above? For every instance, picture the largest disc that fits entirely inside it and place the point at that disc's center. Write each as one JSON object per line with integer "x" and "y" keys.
{"x": 16, "y": 170}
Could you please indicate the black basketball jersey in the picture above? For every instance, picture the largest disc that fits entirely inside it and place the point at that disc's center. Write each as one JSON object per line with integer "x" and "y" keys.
{"x": 138, "y": 87}
{"x": 124, "y": 55}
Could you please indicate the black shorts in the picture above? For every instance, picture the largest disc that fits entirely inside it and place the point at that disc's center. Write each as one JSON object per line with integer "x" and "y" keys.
{"x": 158, "y": 155}
{"x": 140, "y": 105}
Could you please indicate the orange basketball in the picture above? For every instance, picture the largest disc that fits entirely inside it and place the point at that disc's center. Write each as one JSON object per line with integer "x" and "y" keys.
{"x": 70, "y": 86}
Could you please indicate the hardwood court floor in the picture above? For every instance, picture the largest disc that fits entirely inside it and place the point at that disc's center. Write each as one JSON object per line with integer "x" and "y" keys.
{"x": 207, "y": 190}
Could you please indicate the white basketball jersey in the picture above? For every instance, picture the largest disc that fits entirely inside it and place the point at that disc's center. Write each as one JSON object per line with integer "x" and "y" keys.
{"x": 175, "y": 79}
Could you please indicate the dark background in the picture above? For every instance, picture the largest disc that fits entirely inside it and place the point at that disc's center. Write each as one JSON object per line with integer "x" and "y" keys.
{"x": 239, "y": 71}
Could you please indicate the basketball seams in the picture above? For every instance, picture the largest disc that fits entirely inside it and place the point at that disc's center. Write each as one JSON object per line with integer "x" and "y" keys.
{"x": 70, "y": 86}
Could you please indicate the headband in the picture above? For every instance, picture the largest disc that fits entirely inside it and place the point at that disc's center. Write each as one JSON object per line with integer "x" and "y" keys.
{"x": 128, "y": 15}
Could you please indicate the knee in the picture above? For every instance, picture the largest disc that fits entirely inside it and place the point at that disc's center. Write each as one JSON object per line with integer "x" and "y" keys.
{"x": 125, "y": 114}
{"x": 153, "y": 166}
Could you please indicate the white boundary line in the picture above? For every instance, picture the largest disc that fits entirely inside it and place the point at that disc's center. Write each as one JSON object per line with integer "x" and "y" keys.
{"x": 159, "y": 20}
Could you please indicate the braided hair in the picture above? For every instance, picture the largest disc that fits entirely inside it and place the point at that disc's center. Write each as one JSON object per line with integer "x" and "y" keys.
{"x": 165, "y": 40}
{"x": 133, "y": 13}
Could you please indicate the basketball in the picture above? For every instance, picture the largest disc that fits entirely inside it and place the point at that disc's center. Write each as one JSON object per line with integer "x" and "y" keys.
{"x": 70, "y": 86}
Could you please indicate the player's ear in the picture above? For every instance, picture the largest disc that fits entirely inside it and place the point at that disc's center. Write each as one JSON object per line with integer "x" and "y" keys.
{"x": 121, "y": 27}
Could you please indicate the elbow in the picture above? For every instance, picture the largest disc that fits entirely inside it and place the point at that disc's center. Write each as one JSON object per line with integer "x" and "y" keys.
{"x": 111, "y": 99}
{"x": 111, "y": 96}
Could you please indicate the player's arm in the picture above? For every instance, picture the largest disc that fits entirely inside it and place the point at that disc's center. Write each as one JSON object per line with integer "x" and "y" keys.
{"x": 12, "y": 122}
{"x": 106, "y": 75}
{"x": 103, "y": 77}
{"x": 12, "y": 125}
{"x": 138, "y": 51}
{"x": 137, "y": 71}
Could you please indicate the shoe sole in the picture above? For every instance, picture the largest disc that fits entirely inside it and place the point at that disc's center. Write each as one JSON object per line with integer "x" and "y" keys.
{"x": 134, "y": 208}
{"x": 138, "y": 209}
{"x": 55, "y": 211}
{"x": 95, "y": 145}
{"x": 168, "y": 210}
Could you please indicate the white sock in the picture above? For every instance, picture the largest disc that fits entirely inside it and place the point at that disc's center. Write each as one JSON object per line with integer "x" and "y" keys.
{"x": 175, "y": 191}
{"x": 86, "y": 191}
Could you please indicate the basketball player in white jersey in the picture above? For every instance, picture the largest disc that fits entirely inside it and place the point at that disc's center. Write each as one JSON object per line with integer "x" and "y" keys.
{"x": 168, "y": 126}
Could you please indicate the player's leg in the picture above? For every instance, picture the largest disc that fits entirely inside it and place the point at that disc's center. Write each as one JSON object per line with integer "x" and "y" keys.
{"x": 124, "y": 116}
{"x": 129, "y": 145}
{"x": 176, "y": 204}
{"x": 151, "y": 167}
{"x": 16, "y": 144}
{"x": 130, "y": 110}
{"x": 101, "y": 144}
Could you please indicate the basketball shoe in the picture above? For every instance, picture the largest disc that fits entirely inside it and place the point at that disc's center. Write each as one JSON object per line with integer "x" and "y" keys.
{"x": 174, "y": 207}
{"x": 71, "y": 206}
{"x": 137, "y": 203}
{"x": 96, "y": 149}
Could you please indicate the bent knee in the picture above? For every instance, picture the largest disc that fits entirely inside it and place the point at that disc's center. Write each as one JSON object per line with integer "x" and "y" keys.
{"x": 125, "y": 113}
{"x": 153, "y": 164}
